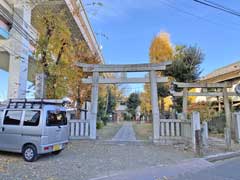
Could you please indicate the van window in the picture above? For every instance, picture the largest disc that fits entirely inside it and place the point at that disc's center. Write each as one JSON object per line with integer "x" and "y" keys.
{"x": 31, "y": 118}
{"x": 56, "y": 118}
{"x": 12, "y": 117}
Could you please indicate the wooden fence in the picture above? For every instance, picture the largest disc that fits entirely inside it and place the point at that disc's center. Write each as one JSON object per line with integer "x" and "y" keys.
{"x": 79, "y": 129}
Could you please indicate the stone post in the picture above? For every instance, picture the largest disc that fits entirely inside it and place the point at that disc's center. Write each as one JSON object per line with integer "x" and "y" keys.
{"x": 185, "y": 103}
{"x": 40, "y": 91}
{"x": 94, "y": 105}
{"x": 237, "y": 127}
{"x": 155, "y": 108}
{"x": 196, "y": 128}
{"x": 204, "y": 133}
{"x": 227, "y": 130}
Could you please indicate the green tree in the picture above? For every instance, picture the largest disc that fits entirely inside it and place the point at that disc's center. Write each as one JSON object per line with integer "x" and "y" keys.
{"x": 107, "y": 101}
{"x": 111, "y": 103}
{"x": 101, "y": 108}
{"x": 185, "y": 68}
{"x": 132, "y": 103}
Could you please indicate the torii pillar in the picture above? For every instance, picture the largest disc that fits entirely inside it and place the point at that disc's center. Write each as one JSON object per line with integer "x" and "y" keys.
{"x": 155, "y": 108}
{"x": 94, "y": 105}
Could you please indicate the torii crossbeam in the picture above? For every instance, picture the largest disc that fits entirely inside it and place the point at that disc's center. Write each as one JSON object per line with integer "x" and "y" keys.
{"x": 95, "y": 80}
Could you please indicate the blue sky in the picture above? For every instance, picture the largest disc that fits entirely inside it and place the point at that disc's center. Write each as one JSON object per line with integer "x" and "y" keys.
{"x": 130, "y": 26}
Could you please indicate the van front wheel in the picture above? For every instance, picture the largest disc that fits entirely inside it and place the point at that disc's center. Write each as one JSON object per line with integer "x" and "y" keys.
{"x": 29, "y": 153}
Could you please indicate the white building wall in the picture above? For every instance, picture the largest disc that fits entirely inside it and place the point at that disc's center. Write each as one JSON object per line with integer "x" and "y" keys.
{"x": 18, "y": 48}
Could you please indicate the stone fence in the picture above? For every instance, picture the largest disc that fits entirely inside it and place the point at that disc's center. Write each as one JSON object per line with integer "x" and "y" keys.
{"x": 79, "y": 129}
{"x": 175, "y": 131}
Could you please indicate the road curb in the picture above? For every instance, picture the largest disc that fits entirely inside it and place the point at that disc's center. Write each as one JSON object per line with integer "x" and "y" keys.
{"x": 222, "y": 156}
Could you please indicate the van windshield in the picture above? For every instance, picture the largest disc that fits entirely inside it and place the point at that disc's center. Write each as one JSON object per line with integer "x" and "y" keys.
{"x": 1, "y": 113}
{"x": 56, "y": 118}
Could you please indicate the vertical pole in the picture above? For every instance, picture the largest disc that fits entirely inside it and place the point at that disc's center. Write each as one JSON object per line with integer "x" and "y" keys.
{"x": 185, "y": 103}
{"x": 40, "y": 85}
{"x": 155, "y": 108}
{"x": 196, "y": 131}
{"x": 227, "y": 130}
{"x": 237, "y": 128}
{"x": 18, "y": 71}
{"x": 204, "y": 133}
{"x": 86, "y": 109}
{"x": 219, "y": 105}
{"x": 94, "y": 105}
{"x": 18, "y": 64}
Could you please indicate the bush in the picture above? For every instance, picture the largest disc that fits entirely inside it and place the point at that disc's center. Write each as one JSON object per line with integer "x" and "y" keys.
{"x": 100, "y": 124}
{"x": 105, "y": 119}
{"x": 127, "y": 117}
{"x": 221, "y": 131}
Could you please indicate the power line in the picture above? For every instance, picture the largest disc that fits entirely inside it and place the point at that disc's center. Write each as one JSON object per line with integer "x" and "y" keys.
{"x": 28, "y": 25}
{"x": 19, "y": 41}
{"x": 179, "y": 10}
{"x": 229, "y": 21}
{"x": 218, "y": 6}
{"x": 18, "y": 27}
{"x": 15, "y": 26}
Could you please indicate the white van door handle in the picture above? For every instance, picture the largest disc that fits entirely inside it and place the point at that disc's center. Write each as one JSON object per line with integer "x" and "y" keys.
{"x": 3, "y": 129}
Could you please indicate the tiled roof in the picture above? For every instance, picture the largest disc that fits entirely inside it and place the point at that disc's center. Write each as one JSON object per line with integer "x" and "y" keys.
{"x": 223, "y": 70}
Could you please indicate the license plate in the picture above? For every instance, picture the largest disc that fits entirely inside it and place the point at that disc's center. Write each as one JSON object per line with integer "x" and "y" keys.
{"x": 56, "y": 147}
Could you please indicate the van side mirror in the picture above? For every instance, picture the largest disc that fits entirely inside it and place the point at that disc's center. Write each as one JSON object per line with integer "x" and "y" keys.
{"x": 237, "y": 89}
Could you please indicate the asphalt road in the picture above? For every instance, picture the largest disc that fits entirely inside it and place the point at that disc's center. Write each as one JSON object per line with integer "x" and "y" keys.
{"x": 224, "y": 170}
{"x": 195, "y": 169}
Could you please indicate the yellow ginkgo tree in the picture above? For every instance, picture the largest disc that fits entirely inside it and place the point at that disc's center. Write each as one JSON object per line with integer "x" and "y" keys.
{"x": 57, "y": 54}
{"x": 161, "y": 50}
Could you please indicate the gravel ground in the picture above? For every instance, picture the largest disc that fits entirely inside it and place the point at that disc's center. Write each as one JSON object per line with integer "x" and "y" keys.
{"x": 83, "y": 160}
{"x": 217, "y": 145}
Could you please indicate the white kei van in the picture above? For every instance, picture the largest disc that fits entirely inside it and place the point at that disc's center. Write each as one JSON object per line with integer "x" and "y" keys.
{"x": 33, "y": 127}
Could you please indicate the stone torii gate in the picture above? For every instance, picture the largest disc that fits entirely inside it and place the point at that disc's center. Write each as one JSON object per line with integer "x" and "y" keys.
{"x": 96, "y": 79}
{"x": 223, "y": 92}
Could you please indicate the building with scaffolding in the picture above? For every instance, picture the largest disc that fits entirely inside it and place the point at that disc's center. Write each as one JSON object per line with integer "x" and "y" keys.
{"x": 18, "y": 37}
